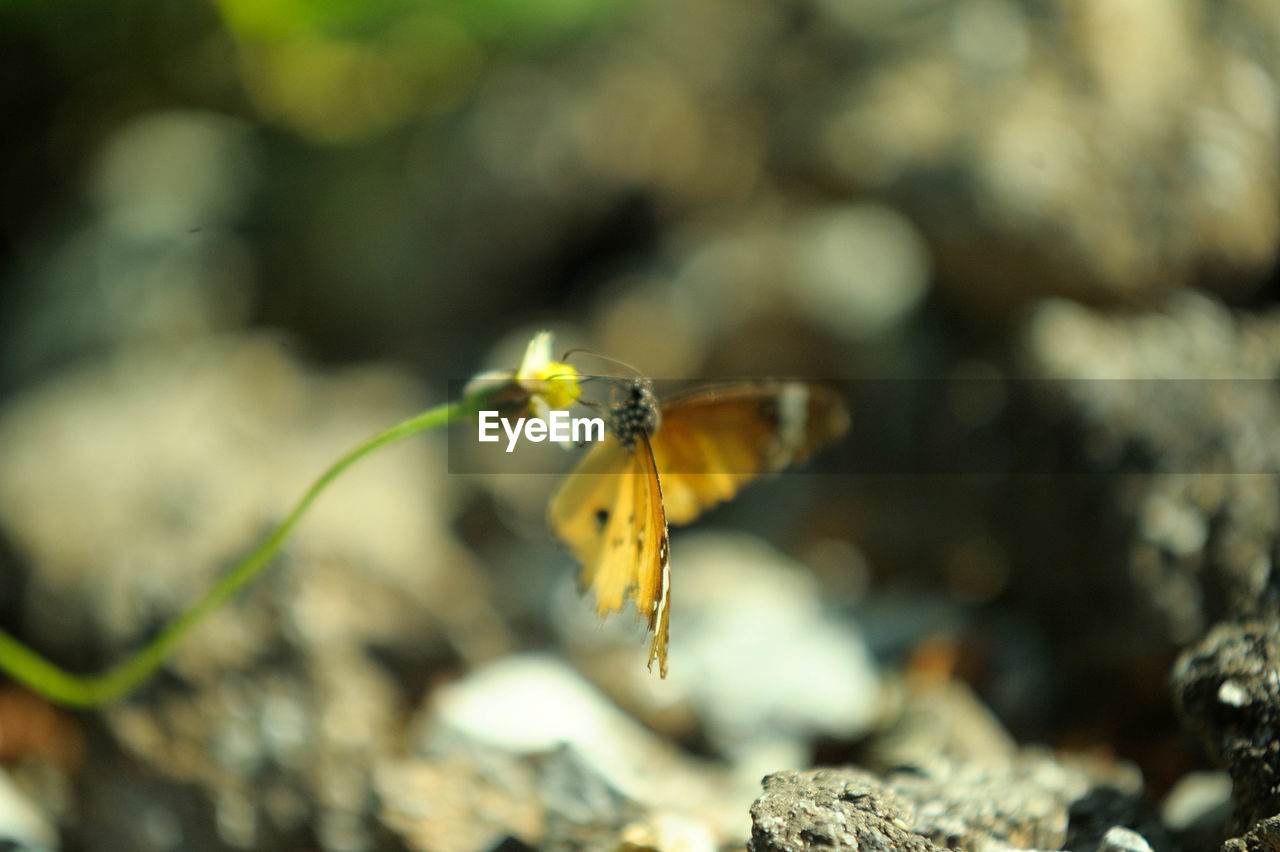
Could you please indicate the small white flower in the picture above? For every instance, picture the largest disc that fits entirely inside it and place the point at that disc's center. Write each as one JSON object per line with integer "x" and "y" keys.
{"x": 535, "y": 388}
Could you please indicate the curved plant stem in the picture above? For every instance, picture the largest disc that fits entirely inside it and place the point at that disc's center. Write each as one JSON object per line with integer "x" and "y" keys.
{"x": 62, "y": 686}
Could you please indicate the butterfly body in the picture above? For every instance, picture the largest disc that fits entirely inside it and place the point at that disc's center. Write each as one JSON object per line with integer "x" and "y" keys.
{"x": 673, "y": 461}
{"x": 636, "y": 413}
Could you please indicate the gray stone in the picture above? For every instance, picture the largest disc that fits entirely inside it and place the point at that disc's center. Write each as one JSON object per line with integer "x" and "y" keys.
{"x": 1227, "y": 688}
{"x": 1121, "y": 839}
{"x": 832, "y": 809}
{"x": 1199, "y": 803}
{"x": 1035, "y": 801}
{"x": 1263, "y": 837}
{"x": 22, "y": 826}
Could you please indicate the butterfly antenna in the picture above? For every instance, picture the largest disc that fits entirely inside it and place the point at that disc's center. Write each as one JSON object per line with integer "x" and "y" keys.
{"x": 623, "y": 364}
{"x": 581, "y": 378}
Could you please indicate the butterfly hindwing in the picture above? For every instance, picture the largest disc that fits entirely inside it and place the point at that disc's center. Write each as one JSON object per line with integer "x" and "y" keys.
{"x": 654, "y": 597}
{"x": 585, "y": 512}
{"x": 609, "y": 512}
{"x": 713, "y": 442}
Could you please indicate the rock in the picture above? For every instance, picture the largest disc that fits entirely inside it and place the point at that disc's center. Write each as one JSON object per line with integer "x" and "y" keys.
{"x": 1121, "y": 839}
{"x": 1263, "y": 837}
{"x": 833, "y": 809}
{"x": 23, "y": 828}
{"x": 1033, "y": 801}
{"x": 1227, "y": 688}
{"x": 666, "y": 833}
{"x": 535, "y": 704}
{"x": 458, "y": 805}
{"x": 597, "y": 769}
{"x": 938, "y": 724}
{"x": 1199, "y": 804}
{"x": 764, "y": 658}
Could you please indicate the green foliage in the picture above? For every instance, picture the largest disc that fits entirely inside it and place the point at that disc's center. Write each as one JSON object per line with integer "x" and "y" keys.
{"x": 499, "y": 22}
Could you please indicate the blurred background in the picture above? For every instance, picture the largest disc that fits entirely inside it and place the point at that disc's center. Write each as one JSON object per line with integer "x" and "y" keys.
{"x": 238, "y": 237}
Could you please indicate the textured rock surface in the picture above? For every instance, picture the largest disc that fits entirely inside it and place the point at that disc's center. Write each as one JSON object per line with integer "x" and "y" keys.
{"x": 1263, "y": 837}
{"x": 1119, "y": 839}
{"x": 1034, "y": 801}
{"x": 1227, "y": 687}
{"x": 836, "y": 809}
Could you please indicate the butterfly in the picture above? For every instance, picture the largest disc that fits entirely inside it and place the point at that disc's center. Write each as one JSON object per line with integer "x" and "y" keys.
{"x": 670, "y": 462}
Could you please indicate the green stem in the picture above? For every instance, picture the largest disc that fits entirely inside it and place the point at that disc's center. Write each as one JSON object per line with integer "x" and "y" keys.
{"x": 59, "y": 685}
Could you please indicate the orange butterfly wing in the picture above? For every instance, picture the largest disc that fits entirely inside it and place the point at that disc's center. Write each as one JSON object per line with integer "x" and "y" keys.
{"x": 713, "y": 442}
{"x": 609, "y": 512}
{"x": 612, "y": 510}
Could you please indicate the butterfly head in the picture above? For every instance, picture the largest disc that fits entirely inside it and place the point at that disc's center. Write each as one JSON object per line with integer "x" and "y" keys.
{"x": 635, "y": 411}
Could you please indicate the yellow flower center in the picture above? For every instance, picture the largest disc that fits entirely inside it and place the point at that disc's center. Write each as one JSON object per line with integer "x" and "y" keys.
{"x": 559, "y": 384}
